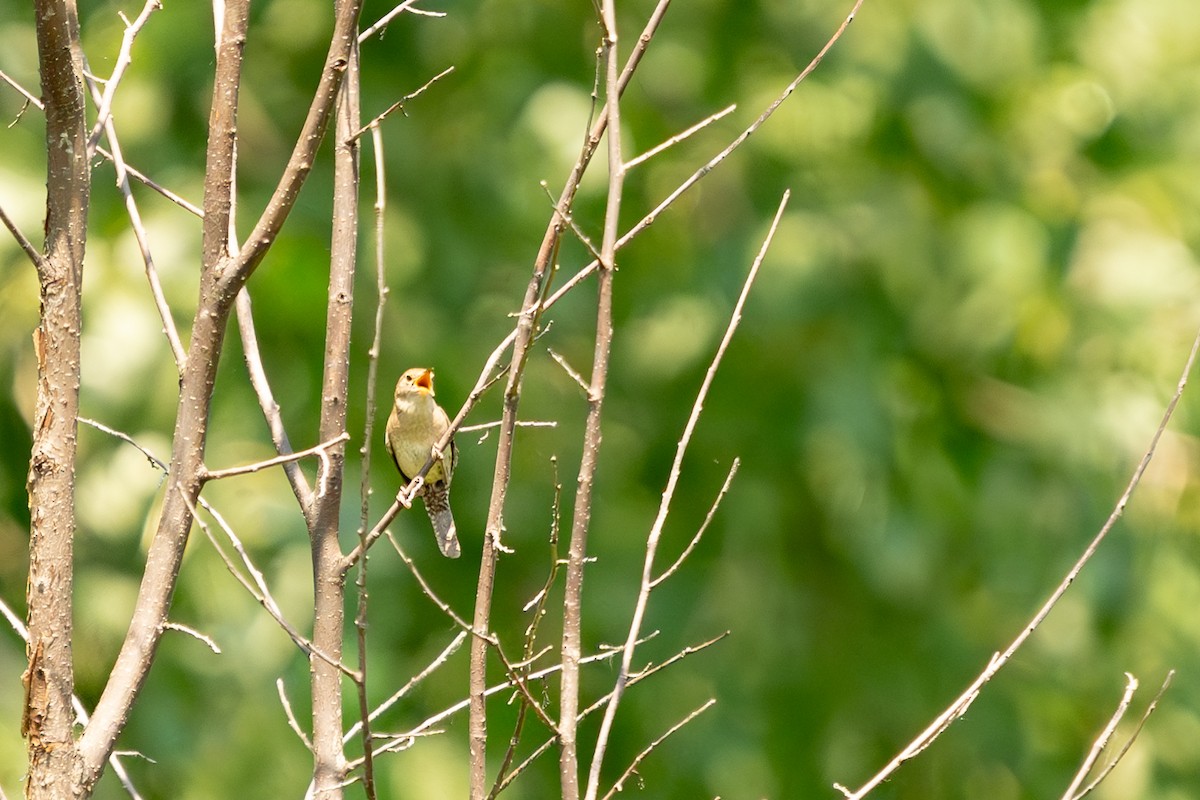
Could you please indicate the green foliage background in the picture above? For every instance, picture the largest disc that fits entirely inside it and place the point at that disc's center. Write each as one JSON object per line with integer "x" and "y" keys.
{"x": 960, "y": 344}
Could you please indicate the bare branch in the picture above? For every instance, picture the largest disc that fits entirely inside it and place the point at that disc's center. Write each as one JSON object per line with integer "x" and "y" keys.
{"x": 383, "y": 21}
{"x": 291, "y": 717}
{"x": 1131, "y": 685}
{"x": 48, "y": 718}
{"x": 399, "y": 104}
{"x": 648, "y": 581}
{"x": 195, "y": 634}
{"x": 522, "y": 338}
{"x": 432, "y": 667}
{"x": 25, "y": 245}
{"x": 303, "y": 155}
{"x": 581, "y": 517}
{"x": 572, "y": 373}
{"x": 521, "y": 423}
{"x": 259, "y": 591}
{"x": 124, "y": 58}
{"x": 266, "y": 400}
{"x": 488, "y": 638}
{"x": 998, "y": 660}
{"x": 137, "y": 174}
{"x": 634, "y": 679}
{"x": 154, "y": 460}
{"x": 708, "y": 518}
{"x": 695, "y": 177}
{"x": 679, "y": 137}
{"x": 541, "y": 674}
{"x": 1116, "y": 759}
{"x": 81, "y": 714}
{"x": 538, "y": 606}
{"x": 320, "y": 449}
{"x": 620, "y": 784}
{"x": 135, "y": 218}
{"x": 30, "y": 98}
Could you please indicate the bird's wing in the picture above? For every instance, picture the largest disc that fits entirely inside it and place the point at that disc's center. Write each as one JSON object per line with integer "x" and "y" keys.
{"x": 387, "y": 442}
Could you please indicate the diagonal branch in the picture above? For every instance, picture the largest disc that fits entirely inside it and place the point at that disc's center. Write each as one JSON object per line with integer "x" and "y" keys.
{"x": 26, "y": 246}
{"x": 634, "y": 679}
{"x": 650, "y": 218}
{"x": 246, "y": 469}
{"x": 266, "y": 400}
{"x": 124, "y": 57}
{"x": 960, "y": 705}
{"x": 1098, "y": 746}
{"x": 620, "y": 784}
{"x": 304, "y": 154}
{"x": 1116, "y": 759}
{"x": 648, "y": 579}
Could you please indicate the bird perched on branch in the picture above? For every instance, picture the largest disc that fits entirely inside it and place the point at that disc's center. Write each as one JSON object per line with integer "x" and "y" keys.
{"x": 415, "y": 425}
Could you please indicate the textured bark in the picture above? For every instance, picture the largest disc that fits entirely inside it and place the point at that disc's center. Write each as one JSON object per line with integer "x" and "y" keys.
{"x": 48, "y": 717}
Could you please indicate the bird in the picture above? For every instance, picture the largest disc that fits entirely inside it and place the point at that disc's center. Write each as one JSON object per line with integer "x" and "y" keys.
{"x": 414, "y": 426}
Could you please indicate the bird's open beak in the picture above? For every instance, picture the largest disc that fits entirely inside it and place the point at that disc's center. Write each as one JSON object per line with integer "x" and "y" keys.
{"x": 425, "y": 381}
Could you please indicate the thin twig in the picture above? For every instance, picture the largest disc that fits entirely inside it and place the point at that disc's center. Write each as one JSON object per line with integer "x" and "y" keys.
{"x": 261, "y": 594}
{"x": 363, "y": 723}
{"x": 124, "y": 57}
{"x": 25, "y": 245}
{"x": 190, "y": 207}
{"x": 679, "y": 137}
{"x": 218, "y": 474}
{"x": 252, "y": 357}
{"x": 395, "y": 12}
{"x": 511, "y": 668}
{"x": 122, "y": 170}
{"x": 708, "y": 518}
{"x": 569, "y": 220}
{"x": 399, "y": 104}
{"x": 620, "y": 784}
{"x": 1131, "y": 685}
{"x": 572, "y": 373}
{"x": 634, "y": 679}
{"x": 521, "y": 423}
{"x": 696, "y": 176}
{"x": 259, "y": 590}
{"x": 154, "y": 460}
{"x": 668, "y": 496}
{"x": 170, "y": 330}
{"x": 433, "y": 666}
{"x": 30, "y": 98}
{"x": 998, "y": 660}
{"x": 1116, "y": 759}
{"x": 541, "y": 674}
{"x": 195, "y": 634}
{"x": 291, "y": 717}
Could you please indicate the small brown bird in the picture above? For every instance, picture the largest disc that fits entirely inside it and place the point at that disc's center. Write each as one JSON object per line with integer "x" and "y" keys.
{"x": 413, "y": 428}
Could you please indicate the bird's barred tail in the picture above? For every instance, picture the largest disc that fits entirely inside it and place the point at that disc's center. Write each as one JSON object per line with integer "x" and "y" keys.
{"x": 437, "y": 505}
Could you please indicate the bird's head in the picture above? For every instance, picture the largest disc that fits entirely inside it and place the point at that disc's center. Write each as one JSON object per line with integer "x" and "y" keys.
{"x": 415, "y": 382}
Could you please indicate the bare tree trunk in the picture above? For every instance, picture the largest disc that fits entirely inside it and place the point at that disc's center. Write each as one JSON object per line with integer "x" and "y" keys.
{"x": 329, "y": 572}
{"x": 48, "y": 717}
